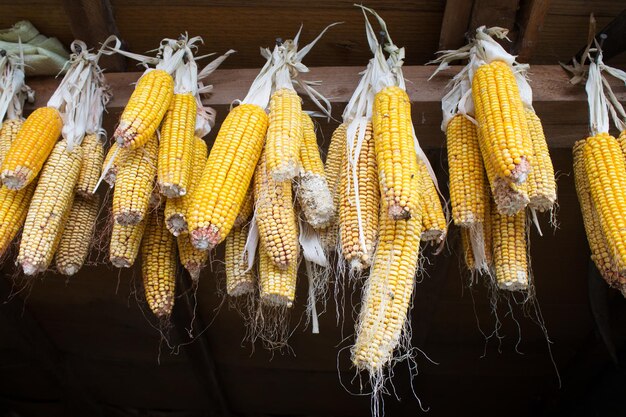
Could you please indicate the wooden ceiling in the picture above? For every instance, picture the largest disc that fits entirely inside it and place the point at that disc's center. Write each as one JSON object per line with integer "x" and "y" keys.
{"x": 87, "y": 346}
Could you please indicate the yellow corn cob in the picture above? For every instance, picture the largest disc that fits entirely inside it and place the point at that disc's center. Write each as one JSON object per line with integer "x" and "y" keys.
{"x": 500, "y": 114}
{"x": 193, "y": 260}
{"x": 145, "y": 109}
{"x": 387, "y": 292}
{"x": 31, "y": 147}
{"x": 606, "y": 171}
{"x": 111, "y": 173}
{"x": 284, "y": 134}
{"x": 395, "y": 153}
{"x": 313, "y": 193}
{"x": 8, "y": 133}
{"x": 239, "y": 280}
{"x": 482, "y": 232}
{"x": 352, "y": 248}
{"x": 466, "y": 246}
{"x": 135, "y": 183}
{"x": 277, "y": 286}
{"x": 125, "y": 243}
{"x": 76, "y": 238}
{"x": 467, "y": 173}
{"x": 622, "y": 141}
{"x": 49, "y": 208}
{"x": 332, "y": 169}
{"x": 226, "y": 177}
{"x": 275, "y": 216}
{"x": 541, "y": 183}
{"x": 13, "y": 208}
{"x": 434, "y": 225}
{"x": 158, "y": 265}
{"x": 176, "y": 146}
{"x": 176, "y": 208}
{"x": 93, "y": 155}
{"x": 509, "y": 250}
{"x": 247, "y": 208}
{"x": 609, "y": 266}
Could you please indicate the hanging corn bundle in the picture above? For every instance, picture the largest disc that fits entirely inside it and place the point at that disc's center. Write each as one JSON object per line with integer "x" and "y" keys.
{"x": 332, "y": 170}
{"x": 80, "y": 96}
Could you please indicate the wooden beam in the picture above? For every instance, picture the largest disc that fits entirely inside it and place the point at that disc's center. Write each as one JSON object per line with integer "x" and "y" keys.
{"x": 530, "y": 24}
{"x": 92, "y": 21}
{"x": 489, "y": 13}
{"x": 615, "y": 41}
{"x": 455, "y": 23}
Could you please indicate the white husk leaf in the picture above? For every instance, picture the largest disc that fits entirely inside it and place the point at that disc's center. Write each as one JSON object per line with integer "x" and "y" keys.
{"x": 13, "y": 89}
{"x": 252, "y": 243}
{"x": 311, "y": 244}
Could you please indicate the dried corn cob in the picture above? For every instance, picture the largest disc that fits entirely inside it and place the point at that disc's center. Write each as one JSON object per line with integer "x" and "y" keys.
{"x": 158, "y": 265}
{"x": 176, "y": 208}
{"x": 239, "y": 280}
{"x": 468, "y": 252}
{"x": 504, "y": 138}
{"x": 13, "y": 209}
{"x": 395, "y": 153}
{"x": 219, "y": 196}
{"x": 606, "y": 171}
{"x": 76, "y": 238}
{"x": 387, "y": 292}
{"x": 510, "y": 250}
{"x": 134, "y": 183}
{"x": 93, "y": 155}
{"x": 434, "y": 225}
{"x": 8, "y": 133}
{"x": 247, "y": 208}
{"x": 49, "y": 208}
{"x": 176, "y": 146}
{"x": 31, "y": 147}
{"x": 313, "y": 193}
{"x": 125, "y": 243}
{"x": 145, "y": 109}
{"x": 277, "y": 286}
{"x": 541, "y": 183}
{"x": 467, "y": 174}
{"x": 111, "y": 173}
{"x": 284, "y": 134}
{"x": 275, "y": 216}
{"x": 332, "y": 168}
{"x": 193, "y": 260}
{"x": 359, "y": 253}
{"x": 609, "y": 266}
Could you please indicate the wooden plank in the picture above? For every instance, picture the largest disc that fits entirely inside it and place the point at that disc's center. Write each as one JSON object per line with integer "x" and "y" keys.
{"x": 455, "y": 23}
{"x": 494, "y": 13}
{"x": 530, "y": 23}
{"x": 92, "y": 22}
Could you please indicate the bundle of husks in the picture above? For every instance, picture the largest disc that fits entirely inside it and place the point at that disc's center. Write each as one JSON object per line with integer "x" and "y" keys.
{"x": 155, "y": 164}
{"x": 60, "y": 175}
{"x": 498, "y": 159}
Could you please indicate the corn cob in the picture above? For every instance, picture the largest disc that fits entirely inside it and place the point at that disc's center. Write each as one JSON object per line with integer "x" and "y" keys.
{"x": 313, "y": 193}
{"x": 76, "y": 238}
{"x": 239, "y": 280}
{"x": 284, "y": 134}
{"x": 31, "y": 147}
{"x": 504, "y": 138}
{"x": 111, "y": 173}
{"x": 158, "y": 265}
{"x": 13, "y": 209}
{"x": 277, "y": 286}
{"x": 49, "y": 208}
{"x": 608, "y": 265}
{"x": 434, "y": 225}
{"x": 606, "y": 171}
{"x": 176, "y": 208}
{"x": 510, "y": 250}
{"x": 332, "y": 169}
{"x": 145, "y": 109}
{"x": 395, "y": 153}
{"x": 353, "y": 250}
{"x": 93, "y": 155}
{"x": 622, "y": 141}
{"x": 125, "y": 243}
{"x": 541, "y": 183}
{"x": 193, "y": 260}
{"x": 247, "y": 208}
{"x": 176, "y": 146}
{"x": 468, "y": 252}
{"x": 135, "y": 183}
{"x": 467, "y": 174}
{"x": 387, "y": 292}
{"x": 275, "y": 216}
{"x": 8, "y": 133}
{"x": 226, "y": 177}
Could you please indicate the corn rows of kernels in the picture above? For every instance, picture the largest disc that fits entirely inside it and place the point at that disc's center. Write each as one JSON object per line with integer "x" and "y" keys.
{"x": 124, "y": 244}
{"x": 276, "y": 285}
{"x": 90, "y": 169}
{"x": 541, "y": 182}
{"x": 76, "y": 237}
{"x": 332, "y": 169}
{"x": 8, "y": 133}
{"x": 310, "y": 159}
{"x": 239, "y": 280}
{"x": 13, "y": 209}
{"x": 434, "y": 225}
{"x": 284, "y": 134}
{"x": 509, "y": 249}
